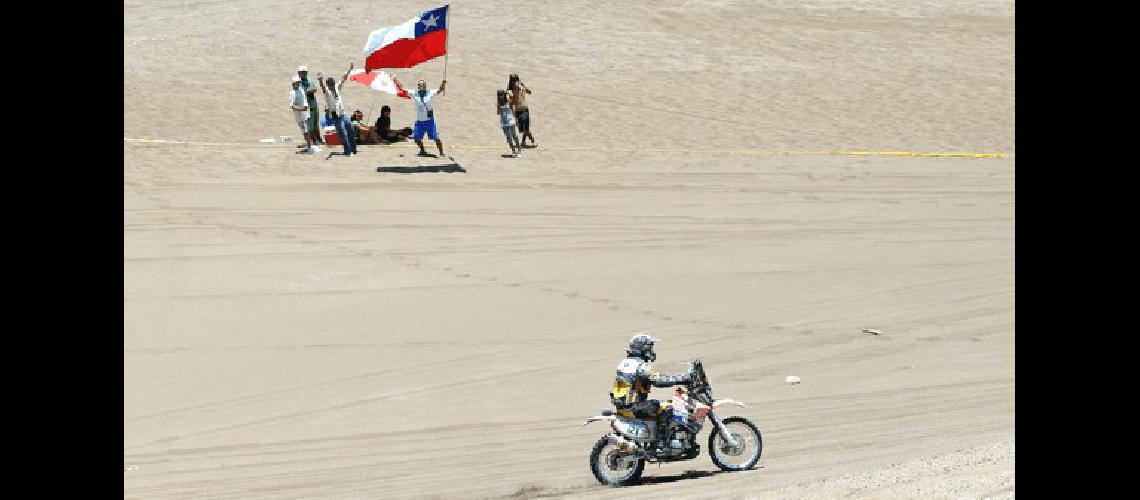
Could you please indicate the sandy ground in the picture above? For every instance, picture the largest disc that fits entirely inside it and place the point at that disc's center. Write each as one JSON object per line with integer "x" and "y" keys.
{"x": 297, "y": 327}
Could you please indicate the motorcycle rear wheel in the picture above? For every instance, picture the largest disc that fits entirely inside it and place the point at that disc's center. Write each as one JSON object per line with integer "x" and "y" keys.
{"x": 607, "y": 470}
{"x": 728, "y": 458}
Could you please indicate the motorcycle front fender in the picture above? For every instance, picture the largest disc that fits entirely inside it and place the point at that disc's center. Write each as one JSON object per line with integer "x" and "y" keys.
{"x": 720, "y": 402}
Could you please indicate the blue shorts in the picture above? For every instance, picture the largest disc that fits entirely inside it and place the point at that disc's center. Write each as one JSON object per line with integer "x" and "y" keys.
{"x": 425, "y": 126}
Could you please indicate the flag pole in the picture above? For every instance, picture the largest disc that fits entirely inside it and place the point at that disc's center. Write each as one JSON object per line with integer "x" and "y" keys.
{"x": 446, "y": 42}
{"x": 371, "y": 107}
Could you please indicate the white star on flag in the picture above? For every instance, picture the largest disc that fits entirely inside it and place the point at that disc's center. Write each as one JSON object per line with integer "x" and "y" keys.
{"x": 430, "y": 22}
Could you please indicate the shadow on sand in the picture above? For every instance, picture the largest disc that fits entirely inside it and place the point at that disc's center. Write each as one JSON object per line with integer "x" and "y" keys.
{"x": 450, "y": 167}
{"x": 689, "y": 474}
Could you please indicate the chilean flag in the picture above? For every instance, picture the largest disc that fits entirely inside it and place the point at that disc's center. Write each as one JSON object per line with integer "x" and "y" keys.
{"x": 419, "y": 39}
{"x": 378, "y": 80}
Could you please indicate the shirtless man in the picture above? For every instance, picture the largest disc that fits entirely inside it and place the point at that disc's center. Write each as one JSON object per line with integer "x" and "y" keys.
{"x": 522, "y": 112}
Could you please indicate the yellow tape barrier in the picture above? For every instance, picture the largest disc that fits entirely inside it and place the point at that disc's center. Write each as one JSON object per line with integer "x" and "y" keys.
{"x": 748, "y": 152}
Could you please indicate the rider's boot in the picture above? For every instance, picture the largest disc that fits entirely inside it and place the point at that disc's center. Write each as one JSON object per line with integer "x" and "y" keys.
{"x": 663, "y": 429}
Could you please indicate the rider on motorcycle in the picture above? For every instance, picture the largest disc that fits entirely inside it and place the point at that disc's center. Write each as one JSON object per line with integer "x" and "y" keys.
{"x": 634, "y": 379}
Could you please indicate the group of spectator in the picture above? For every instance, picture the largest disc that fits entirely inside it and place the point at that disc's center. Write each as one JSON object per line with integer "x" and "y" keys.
{"x": 352, "y": 130}
{"x": 303, "y": 101}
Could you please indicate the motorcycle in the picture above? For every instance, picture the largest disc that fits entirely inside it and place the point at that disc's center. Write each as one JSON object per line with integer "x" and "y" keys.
{"x": 619, "y": 458}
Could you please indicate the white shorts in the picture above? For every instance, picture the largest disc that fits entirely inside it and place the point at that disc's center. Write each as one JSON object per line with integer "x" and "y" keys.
{"x": 302, "y": 121}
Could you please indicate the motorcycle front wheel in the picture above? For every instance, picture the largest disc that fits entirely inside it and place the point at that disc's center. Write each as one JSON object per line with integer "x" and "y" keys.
{"x": 609, "y": 468}
{"x": 745, "y": 454}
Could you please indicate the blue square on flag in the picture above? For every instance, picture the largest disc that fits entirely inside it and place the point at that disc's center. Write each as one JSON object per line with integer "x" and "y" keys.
{"x": 432, "y": 20}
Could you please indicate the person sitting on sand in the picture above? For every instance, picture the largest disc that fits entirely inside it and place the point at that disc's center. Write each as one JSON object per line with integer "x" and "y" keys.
{"x": 384, "y": 127}
{"x": 364, "y": 133}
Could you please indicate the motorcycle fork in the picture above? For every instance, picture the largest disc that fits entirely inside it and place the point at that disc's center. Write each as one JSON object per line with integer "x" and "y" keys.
{"x": 723, "y": 430}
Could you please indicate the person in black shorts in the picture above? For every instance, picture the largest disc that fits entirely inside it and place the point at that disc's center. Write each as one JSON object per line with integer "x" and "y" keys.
{"x": 522, "y": 111}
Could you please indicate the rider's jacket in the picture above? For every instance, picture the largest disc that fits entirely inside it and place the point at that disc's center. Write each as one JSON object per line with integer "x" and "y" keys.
{"x": 635, "y": 376}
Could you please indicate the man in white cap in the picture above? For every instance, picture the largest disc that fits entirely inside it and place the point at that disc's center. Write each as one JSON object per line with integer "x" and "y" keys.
{"x": 310, "y": 89}
{"x": 300, "y": 107}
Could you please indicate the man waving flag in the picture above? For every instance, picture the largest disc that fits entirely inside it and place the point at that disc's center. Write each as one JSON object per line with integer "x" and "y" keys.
{"x": 417, "y": 40}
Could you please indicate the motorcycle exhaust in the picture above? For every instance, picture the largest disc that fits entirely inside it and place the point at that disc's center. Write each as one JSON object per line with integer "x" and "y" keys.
{"x": 624, "y": 444}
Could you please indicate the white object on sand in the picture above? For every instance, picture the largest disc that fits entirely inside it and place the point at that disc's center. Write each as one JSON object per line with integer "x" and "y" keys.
{"x": 872, "y": 331}
{"x": 792, "y": 379}
{"x": 268, "y": 140}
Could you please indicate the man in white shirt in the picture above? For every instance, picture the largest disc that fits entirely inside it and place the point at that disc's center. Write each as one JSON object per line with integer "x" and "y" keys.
{"x": 336, "y": 111}
{"x": 300, "y": 106}
{"x": 425, "y": 115}
{"x": 310, "y": 89}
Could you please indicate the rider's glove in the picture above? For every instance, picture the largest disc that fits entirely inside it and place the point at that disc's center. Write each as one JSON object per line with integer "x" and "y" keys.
{"x": 685, "y": 378}
{"x": 670, "y": 380}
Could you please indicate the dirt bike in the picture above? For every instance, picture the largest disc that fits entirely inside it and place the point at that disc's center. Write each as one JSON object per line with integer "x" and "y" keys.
{"x": 619, "y": 458}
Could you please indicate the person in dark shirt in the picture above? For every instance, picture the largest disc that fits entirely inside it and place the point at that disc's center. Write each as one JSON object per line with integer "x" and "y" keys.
{"x": 384, "y": 127}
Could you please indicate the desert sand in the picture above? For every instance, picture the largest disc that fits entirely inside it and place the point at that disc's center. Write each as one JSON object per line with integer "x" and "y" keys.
{"x": 303, "y": 327}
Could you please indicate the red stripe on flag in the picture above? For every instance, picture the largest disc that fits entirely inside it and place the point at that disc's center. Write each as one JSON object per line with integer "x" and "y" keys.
{"x": 408, "y": 52}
